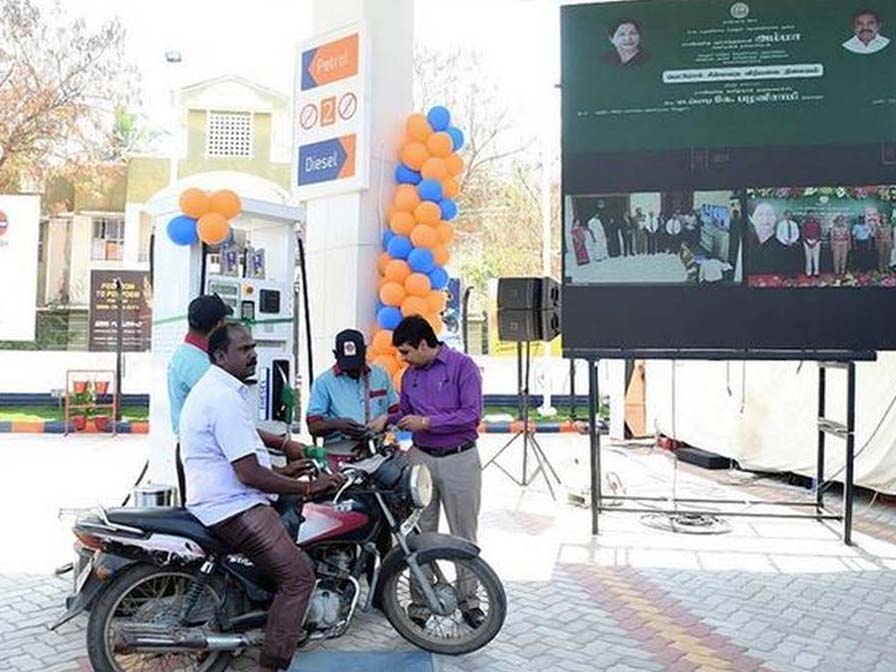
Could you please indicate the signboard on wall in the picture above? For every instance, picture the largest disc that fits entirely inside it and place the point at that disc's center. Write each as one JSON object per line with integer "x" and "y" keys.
{"x": 19, "y": 235}
{"x": 331, "y": 126}
{"x": 136, "y": 311}
{"x": 729, "y": 175}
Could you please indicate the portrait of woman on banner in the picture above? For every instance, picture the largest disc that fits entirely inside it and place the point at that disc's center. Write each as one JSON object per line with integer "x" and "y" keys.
{"x": 625, "y": 36}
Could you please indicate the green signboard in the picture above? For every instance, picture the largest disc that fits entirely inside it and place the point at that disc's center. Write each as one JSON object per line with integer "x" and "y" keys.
{"x": 657, "y": 75}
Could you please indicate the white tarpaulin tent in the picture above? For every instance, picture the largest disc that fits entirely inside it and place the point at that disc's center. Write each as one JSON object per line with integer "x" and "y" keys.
{"x": 763, "y": 414}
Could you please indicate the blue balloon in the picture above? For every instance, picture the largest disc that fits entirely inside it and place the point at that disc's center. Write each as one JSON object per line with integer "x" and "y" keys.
{"x": 439, "y": 118}
{"x": 388, "y": 317}
{"x": 182, "y": 230}
{"x": 404, "y": 175}
{"x": 379, "y": 306}
{"x": 399, "y": 247}
{"x": 448, "y": 208}
{"x": 430, "y": 190}
{"x": 388, "y": 235}
{"x": 438, "y": 278}
{"x": 421, "y": 260}
{"x": 457, "y": 137}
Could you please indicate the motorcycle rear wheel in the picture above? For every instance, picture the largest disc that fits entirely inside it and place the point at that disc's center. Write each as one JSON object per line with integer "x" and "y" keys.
{"x": 447, "y": 634}
{"x": 134, "y": 590}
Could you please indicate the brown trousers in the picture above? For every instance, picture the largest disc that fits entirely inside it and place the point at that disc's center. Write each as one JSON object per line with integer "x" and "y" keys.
{"x": 259, "y": 535}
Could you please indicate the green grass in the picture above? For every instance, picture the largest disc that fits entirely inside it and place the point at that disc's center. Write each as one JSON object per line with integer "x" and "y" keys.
{"x": 51, "y": 413}
{"x": 563, "y": 413}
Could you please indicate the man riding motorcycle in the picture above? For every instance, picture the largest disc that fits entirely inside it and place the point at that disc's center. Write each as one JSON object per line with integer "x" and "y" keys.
{"x": 231, "y": 486}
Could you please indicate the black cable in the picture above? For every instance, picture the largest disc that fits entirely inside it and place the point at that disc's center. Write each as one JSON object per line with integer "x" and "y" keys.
{"x": 136, "y": 483}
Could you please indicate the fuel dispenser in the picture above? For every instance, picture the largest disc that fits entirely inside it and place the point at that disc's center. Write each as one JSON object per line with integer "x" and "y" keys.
{"x": 253, "y": 272}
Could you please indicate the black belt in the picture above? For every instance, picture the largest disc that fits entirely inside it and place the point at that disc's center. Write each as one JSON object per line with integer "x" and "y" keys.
{"x": 443, "y": 452}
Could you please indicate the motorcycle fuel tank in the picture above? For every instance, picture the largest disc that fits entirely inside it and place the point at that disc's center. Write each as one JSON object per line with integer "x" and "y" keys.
{"x": 324, "y": 521}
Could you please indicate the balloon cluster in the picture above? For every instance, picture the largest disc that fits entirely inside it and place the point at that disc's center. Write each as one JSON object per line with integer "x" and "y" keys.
{"x": 416, "y": 244}
{"x": 205, "y": 217}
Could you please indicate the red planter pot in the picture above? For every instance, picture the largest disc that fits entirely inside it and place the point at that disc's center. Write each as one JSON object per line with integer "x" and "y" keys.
{"x": 102, "y": 423}
{"x": 79, "y": 422}
{"x": 80, "y": 386}
{"x": 101, "y": 386}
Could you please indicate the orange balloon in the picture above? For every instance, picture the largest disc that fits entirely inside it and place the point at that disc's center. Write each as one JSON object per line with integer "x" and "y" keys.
{"x": 455, "y": 165}
{"x": 380, "y": 282}
{"x": 382, "y": 261}
{"x": 434, "y": 168}
{"x": 436, "y": 323}
{"x": 226, "y": 202}
{"x": 194, "y": 202}
{"x": 450, "y": 187}
{"x": 436, "y": 300}
{"x": 413, "y": 305}
{"x": 403, "y": 139}
{"x": 392, "y": 294}
{"x": 417, "y": 284}
{"x": 213, "y": 228}
{"x": 402, "y": 223}
{"x": 406, "y": 198}
{"x": 441, "y": 255}
{"x": 381, "y": 344}
{"x": 440, "y": 144}
{"x": 397, "y": 270}
{"x": 389, "y": 212}
{"x": 445, "y": 232}
{"x": 418, "y": 128}
{"x": 427, "y": 212}
{"x": 414, "y": 154}
{"x": 396, "y": 379}
{"x": 424, "y": 235}
{"x": 387, "y": 363}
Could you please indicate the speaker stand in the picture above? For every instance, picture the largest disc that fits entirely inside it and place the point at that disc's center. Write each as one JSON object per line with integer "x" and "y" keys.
{"x": 527, "y": 434}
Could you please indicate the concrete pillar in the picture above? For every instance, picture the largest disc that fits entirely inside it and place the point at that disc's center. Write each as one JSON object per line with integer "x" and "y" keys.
{"x": 344, "y": 231}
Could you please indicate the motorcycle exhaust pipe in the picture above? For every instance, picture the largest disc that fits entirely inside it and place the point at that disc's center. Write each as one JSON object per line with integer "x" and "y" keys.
{"x": 165, "y": 640}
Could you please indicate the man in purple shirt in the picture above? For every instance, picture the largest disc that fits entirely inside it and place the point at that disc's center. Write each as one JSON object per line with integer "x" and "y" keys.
{"x": 441, "y": 403}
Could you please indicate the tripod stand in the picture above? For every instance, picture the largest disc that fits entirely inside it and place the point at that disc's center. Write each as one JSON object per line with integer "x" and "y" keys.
{"x": 527, "y": 433}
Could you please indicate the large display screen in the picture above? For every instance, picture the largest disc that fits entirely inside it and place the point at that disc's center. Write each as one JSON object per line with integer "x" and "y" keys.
{"x": 727, "y": 174}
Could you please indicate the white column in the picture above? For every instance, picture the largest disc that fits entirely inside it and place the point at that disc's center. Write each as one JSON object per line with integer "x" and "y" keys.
{"x": 344, "y": 232}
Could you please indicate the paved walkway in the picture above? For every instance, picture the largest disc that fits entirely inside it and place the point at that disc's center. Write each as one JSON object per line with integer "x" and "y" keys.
{"x": 766, "y": 595}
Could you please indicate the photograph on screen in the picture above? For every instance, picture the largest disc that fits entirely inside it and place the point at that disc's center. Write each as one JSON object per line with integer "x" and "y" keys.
{"x": 820, "y": 237}
{"x": 680, "y": 238}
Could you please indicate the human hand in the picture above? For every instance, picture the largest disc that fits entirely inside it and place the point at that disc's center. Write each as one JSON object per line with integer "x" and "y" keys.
{"x": 352, "y": 429}
{"x": 414, "y": 423}
{"x": 378, "y": 425}
{"x": 325, "y": 483}
{"x": 298, "y": 468}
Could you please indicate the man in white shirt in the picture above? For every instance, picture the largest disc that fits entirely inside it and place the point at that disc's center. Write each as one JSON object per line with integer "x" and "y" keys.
{"x": 652, "y": 226}
{"x": 673, "y": 234}
{"x": 866, "y": 25}
{"x": 231, "y": 486}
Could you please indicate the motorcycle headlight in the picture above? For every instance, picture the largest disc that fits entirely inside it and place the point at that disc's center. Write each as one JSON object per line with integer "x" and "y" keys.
{"x": 421, "y": 486}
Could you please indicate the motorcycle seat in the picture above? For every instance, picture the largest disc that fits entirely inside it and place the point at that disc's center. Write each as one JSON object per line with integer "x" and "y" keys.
{"x": 169, "y": 520}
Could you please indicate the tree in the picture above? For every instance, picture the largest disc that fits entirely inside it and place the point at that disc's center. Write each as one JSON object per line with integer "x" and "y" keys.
{"x": 60, "y": 84}
{"x": 499, "y": 226}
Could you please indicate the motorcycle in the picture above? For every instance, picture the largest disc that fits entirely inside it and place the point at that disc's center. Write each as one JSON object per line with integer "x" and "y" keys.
{"x": 161, "y": 588}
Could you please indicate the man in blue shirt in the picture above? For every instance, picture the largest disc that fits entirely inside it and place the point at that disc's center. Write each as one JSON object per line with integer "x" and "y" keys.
{"x": 351, "y": 397}
{"x": 190, "y": 362}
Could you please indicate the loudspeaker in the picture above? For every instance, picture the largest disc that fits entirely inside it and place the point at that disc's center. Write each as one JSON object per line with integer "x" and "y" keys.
{"x": 528, "y": 294}
{"x": 528, "y": 309}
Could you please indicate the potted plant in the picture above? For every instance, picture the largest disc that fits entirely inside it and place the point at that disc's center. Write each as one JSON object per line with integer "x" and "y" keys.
{"x": 101, "y": 387}
{"x": 82, "y": 406}
{"x": 80, "y": 386}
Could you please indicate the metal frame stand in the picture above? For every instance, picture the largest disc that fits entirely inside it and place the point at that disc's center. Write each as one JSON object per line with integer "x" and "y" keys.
{"x": 527, "y": 433}
{"x": 825, "y": 426}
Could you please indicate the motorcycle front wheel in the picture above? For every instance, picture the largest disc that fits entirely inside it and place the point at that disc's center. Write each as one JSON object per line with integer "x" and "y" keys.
{"x": 150, "y": 594}
{"x": 463, "y": 585}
